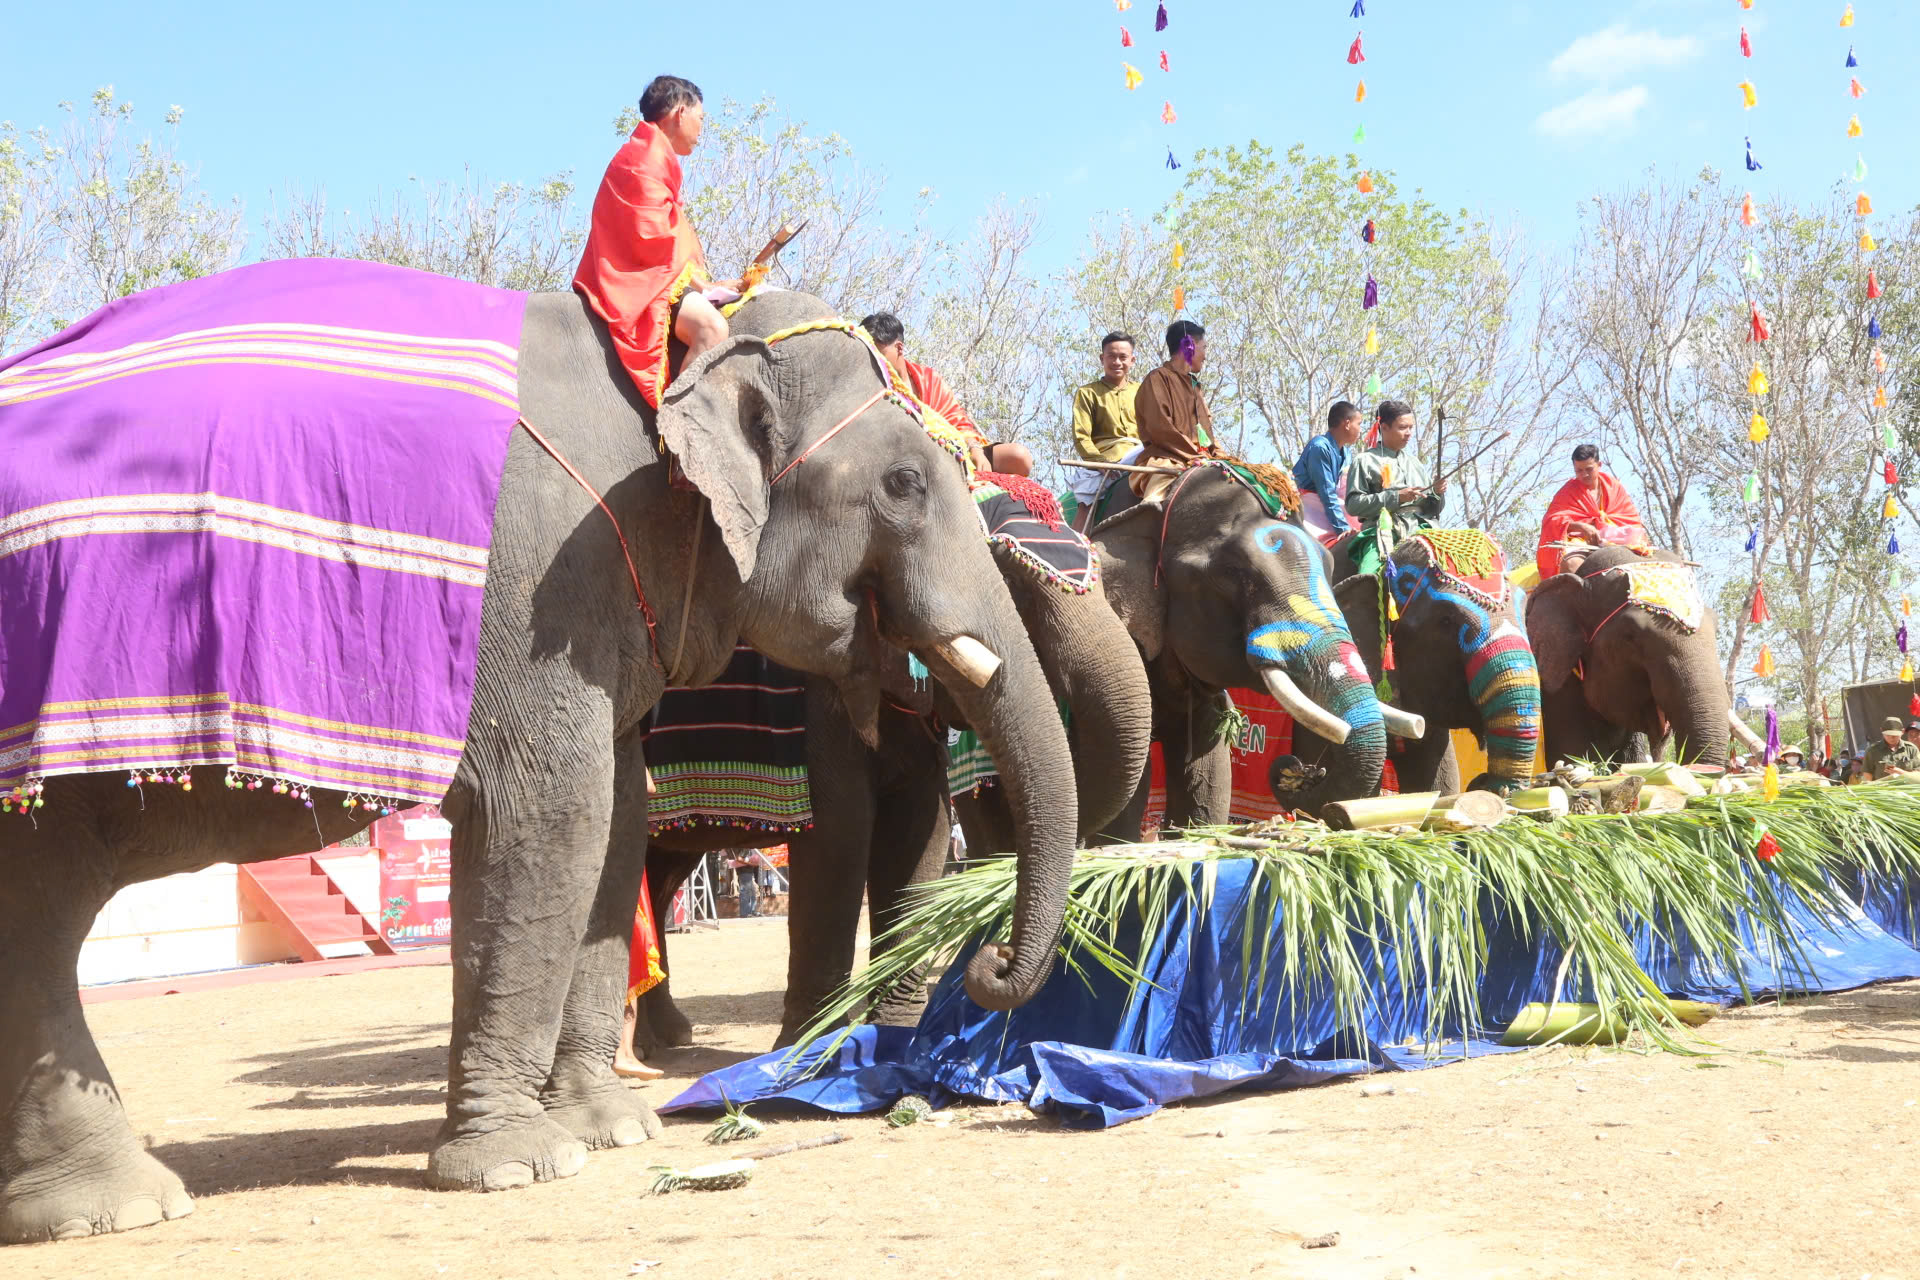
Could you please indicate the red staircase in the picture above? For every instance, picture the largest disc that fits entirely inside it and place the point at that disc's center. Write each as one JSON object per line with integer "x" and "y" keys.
{"x": 313, "y": 911}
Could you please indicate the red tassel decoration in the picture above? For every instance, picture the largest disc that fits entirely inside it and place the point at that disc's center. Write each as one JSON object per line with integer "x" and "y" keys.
{"x": 1746, "y": 45}
{"x": 1759, "y": 331}
{"x": 1768, "y": 849}
{"x": 1386, "y": 655}
{"x": 1892, "y": 473}
{"x": 1913, "y": 705}
{"x": 1873, "y": 285}
{"x": 1354, "y": 56}
{"x": 1759, "y": 614}
{"x": 1163, "y": 61}
{"x": 1126, "y": 38}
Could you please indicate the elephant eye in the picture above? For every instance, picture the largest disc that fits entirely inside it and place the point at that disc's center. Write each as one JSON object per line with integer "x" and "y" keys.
{"x": 903, "y": 480}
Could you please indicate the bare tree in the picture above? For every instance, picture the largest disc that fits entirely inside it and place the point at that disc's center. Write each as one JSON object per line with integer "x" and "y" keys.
{"x": 1647, "y": 273}
{"x": 30, "y": 246}
{"x": 131, "y": 214}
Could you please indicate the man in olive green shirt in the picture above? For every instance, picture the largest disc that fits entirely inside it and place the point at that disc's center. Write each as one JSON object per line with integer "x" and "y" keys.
{"x": 1891, "y": 757}
{"x": 1389, "y": 478}
{"x": 1103, "y": 424}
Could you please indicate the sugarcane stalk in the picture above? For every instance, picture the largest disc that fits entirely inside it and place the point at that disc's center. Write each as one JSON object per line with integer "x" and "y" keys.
{"x": 1540, "y": 801}
{"x": 1379, "y": 811}
{"x": 799, "y": 1144}
{"x": 1584, "y": 1023}
{"x": 1468, "y": 811}
{"x": 1666, "y": 773}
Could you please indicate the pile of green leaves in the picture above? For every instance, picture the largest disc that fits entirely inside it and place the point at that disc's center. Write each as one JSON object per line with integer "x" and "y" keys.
{"x": 1343, "y": 906}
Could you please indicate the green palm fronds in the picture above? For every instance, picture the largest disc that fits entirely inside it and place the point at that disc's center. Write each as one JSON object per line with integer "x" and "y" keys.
{"x": 1338, "y": 911}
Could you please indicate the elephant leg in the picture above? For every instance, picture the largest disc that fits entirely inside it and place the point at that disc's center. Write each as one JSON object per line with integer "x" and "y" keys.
{"x": 827, "y": 865}
{"x": 582, "y": 1092}
{"x": 1199, "y": 759}
{"x": 527, "y": 860}
{"x": 911, "y": 830}
{"x": 69, "y": 1163}
{"x": 987, "y": 822}
{"x": 660, "y": 1024}
{"x": 1427, "y": 764}
{"x": 1125, "y": 829}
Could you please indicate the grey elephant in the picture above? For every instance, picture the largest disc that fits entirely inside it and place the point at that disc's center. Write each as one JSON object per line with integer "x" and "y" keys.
{"x": 1461, "y": 660}
{"x": 880, "y": 813}
{"x": 816, "y": 519}
{"x": 1220, "y": 590}
{"x": 1626, "y": 647}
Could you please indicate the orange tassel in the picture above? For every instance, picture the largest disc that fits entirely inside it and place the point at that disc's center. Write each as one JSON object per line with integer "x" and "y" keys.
{"x": 1366, "y": 184}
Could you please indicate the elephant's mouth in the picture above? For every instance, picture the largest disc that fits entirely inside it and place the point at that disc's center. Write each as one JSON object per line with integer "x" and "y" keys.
{"x": 1290, "y": 777}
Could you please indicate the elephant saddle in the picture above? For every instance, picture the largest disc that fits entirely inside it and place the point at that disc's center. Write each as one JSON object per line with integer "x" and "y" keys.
{"x": 1666, "y": 589}
{"x": 245, "y": 520}
{"x": 732, "y": 753}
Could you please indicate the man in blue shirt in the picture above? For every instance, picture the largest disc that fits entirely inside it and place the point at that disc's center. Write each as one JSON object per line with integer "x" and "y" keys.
{"x": 1318, "y": 473}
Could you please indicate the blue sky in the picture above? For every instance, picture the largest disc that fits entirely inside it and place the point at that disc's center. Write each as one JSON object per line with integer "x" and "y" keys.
{"x": 1516, "y": 110}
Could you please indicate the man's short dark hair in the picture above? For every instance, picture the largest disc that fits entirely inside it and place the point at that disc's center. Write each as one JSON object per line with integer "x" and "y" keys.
{"x": 666, "y": 95}
{"x": 884, "y": 328}
{"x": 1586, "y": 453}
{"x": 1117, "y": 336}
{"x": 1179, "y": 331}
{"x": 1391, "y": 411}
{"x": 1342, "y": 411}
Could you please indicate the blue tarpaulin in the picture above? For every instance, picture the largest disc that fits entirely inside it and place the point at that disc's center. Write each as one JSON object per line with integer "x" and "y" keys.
{"x": 1099, "y": 1053}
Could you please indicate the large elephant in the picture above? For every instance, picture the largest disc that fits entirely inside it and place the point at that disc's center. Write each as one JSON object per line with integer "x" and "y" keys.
{"x": 821, "y": 524}
{"x": 1461, "y": 660}
{"x": 1220, "y": 594}
{"x": 880, "y": 813}
{"x": 1626, "y": 647}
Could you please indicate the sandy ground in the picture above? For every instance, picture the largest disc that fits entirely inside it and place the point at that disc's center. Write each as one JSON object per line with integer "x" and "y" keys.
{"x": 299, "y": 1114}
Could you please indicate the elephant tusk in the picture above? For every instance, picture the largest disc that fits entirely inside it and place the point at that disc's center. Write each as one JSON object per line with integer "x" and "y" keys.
{"x": 1752, "y": 740}
{"x": 1307, "y": 713}
{"x": 970, "y": 658}
{"x": 1403, "y": 724}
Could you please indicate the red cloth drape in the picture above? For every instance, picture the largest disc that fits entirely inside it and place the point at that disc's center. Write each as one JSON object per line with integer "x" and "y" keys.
{"x": 643, "y": 959}
{"x": 930, "y": 391}
{"x": 641, "y": 255}
{"x": 1607, "y": 508}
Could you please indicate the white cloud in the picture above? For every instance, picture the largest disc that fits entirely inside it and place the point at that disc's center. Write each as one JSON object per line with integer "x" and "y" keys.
{"x": 1601, "y": 55}
{"x": 1595, "y": 111}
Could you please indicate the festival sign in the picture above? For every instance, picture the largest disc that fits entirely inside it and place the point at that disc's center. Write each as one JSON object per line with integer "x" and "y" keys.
{"x": 416, "y": 876}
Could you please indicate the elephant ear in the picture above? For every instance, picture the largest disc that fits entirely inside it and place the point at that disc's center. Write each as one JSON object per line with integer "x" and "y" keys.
{"x": 717, "y": 421}
{"x": 1129, "y": 546}
{"x": 1554, "y": 628}
{"x": 1359, "y": 598}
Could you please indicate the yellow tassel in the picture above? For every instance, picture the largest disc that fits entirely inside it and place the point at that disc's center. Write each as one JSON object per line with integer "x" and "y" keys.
{"x": 1891, "y": 510}
{"x": 1747, "y": 93}
{"x": 1770, "y": 783}
{"x": 1393, "y": 608}
{"x": 1360, "y": 94}
{"x": 1373, "y": 342}
{"x": 1757, "y": 381}
{"x": 1764, "y": 667}
{"x": 1866, "y": 242}
{"x": 1179, "y": 254}
{"x": 1133, "y": 76}
{"x": 1757, "y": 430}
{"x": 1879, "y": 397}
{"x": 1853, "y": 127}
{"x": 1906, "y": 670}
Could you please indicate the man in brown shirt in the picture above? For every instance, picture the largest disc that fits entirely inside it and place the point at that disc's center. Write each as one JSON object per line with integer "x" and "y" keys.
{"x": 1171, "y": 411}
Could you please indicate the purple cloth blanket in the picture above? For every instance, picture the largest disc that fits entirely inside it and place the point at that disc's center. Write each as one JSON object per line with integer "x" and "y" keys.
{"x": 245, "y": 520}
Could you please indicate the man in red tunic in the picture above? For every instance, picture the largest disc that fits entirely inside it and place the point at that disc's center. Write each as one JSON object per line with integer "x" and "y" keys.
{"x": 1592, "y": 507}
{"x": 643, "y": 269}
{"x": 890, "y": 336}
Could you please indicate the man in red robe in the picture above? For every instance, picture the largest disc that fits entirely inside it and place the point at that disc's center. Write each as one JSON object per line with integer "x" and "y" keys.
{"x": 1592, "y": 507}
{"x": 643, "y": 270}
{"x": 890, "y": 336}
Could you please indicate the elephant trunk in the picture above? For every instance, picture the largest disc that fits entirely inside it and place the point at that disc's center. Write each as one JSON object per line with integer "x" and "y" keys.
{"x": 1013, "y": 713}
{"x": 1505, "y": 685}
{"x": 1332, "y": 680}
{"x": 1093, "y": 664}
{"x": 1698, "y": 716}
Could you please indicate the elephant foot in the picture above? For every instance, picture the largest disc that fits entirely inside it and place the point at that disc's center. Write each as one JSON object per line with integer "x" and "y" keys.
{"x": 663, "y": 1026}
{"x": 509, "y": 1152}
{"x": 600, "y": 1110}
{"x": 130, "y": 1190}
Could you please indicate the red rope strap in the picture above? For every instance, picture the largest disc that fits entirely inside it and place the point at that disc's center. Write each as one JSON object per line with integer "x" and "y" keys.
{"x": 838, "y": 427}
{"x": 640, "y": 596}
{"x": 1166, "y": 514}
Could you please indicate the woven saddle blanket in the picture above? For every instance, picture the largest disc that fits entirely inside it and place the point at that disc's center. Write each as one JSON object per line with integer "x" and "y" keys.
{"x": 732, "y": 753}
{"x": 1024, "y": 518}
{"x": 245, "y": 520}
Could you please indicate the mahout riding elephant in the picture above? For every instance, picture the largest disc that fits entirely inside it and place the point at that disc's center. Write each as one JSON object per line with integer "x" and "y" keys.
{"x": 1221, "y": 592}
{"x": 880, "y": 819}
{"x": 1626, "y": 647}
{"x": 807, "y": 514}
{"x": 1461, "y": 660}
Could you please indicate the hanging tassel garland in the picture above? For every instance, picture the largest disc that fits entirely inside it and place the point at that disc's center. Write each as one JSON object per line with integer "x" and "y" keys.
{"x": 1748, "y": 99}
{"x": 1757, "y": 381}
{"x": 1359, "y": 134}
{"x": 1164, "y": 64}
{"x": 1179, "y": 298}
{"x": 1753, "y": 166}
{"x": 1890, "y": 510}
{"x": 1171, "y": 162}
{"x": 1900, "y": 637}
{"x": 1855, "y": 88}
{"x": 1747, "y": 215}
{"x": 1873, "y": 285}
{"x": 1851, "y": 60}
{"x": 1764, "y": 667}
{"x": 1365, "y": 184}
{"x": 1906, "y": 673}
{"x": 1758, "y": 615}
{"x": 1359, "y": 9}
{"x": 1750, "y": 491}
{"x": 1879, "y": 360}
{"x": 1879, "y": 397}
{"x": 1853, "y": 127}
{"x": 1906, "y": 607}
{"x": 1354, "y": 55}
{"x": 1751, "y": 267}
{"x": 1373, "y": 342}
{"x": 1757, "y": 330}
{"x": 1891, "y": 475}
{"x": 1373, "y": 393}
{"x": 1859, "y": 168}
{"x": 1368, "y": 232}
{"x": 1360, "y": 93}
{"x": 1757, "y": 433}
{"x": 1772, "y": 750}
{"x": 1746, "y": 44}
{"x": 1846, "y": 18}
{"x": 1765, "y": 847}
{"x": 1126, "y": 39}
{"x": 1753, "y": 539}
{"x": 1888, "y": 440}
{"x": 1133, "y": 76}
{"x": 1873, "y": 327}
{"x": 1179, "y": 254}
{"x": 1770, "y": 783}
{"x": 1160, "y": 18}
{"x": 1862, "y": 206}
{"x": 1893, "y": 544}
{"x": 1866, "y": 242}
{"x": 1166, "y": 114}
{"x": 1370, "y": 296}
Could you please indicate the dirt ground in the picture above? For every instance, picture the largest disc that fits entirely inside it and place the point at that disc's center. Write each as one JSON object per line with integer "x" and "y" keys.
{"x": 299, "y": 1114}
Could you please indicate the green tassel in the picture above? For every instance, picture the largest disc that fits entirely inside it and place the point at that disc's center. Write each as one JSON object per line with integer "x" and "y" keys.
{"x": 1373, "y": 386}
{"x": 1384, "y": 689}
{"x": 916, "y": 668}
{"x": 1359, "y": 134}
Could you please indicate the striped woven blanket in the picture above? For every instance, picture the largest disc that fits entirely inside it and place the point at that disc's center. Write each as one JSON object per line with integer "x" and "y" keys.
{"x": 245, "y": 520}
{"x": 732, "y": 753}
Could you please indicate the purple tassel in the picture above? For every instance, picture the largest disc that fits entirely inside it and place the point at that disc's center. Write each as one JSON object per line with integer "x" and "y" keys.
{"x": 1171, "y": 162}
{"x": 1900, "y": 637}
{"x": 1160, "y": 19}
{"x": 1753, "y": 539}
{"x": 1893, "y": 544}
{"x": 1753, "y": 166}
{"x": 1368, "y": 233}
{"x": 1371, "y": 298}
{"x": 1187, "y": 348}
{"x": 1851, "y": 60}
{"x": 1773, "y": 736}
{"x": 1360, "y": 9}
{"x": 1873, "y": 326}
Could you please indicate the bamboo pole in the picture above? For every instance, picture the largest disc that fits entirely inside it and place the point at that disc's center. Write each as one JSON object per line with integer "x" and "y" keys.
{"x": 1468, "y": 811}
{"x": 1127, "y": 467}
{"x": 1379, "y": 811}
